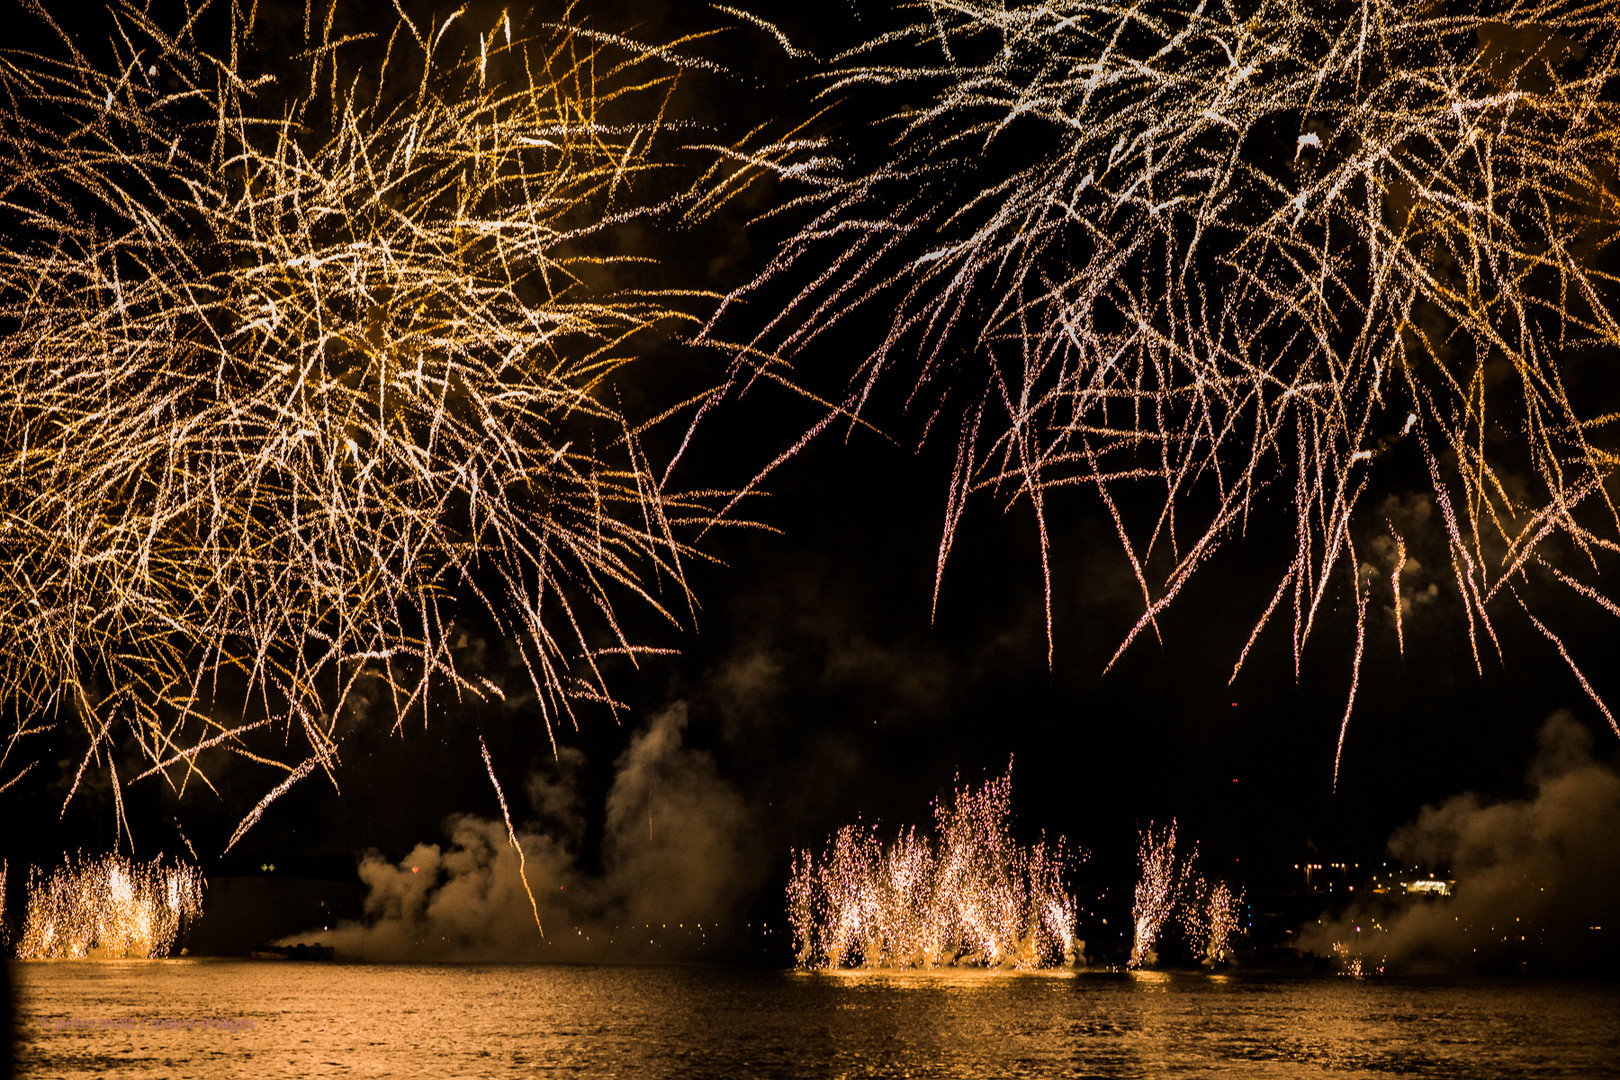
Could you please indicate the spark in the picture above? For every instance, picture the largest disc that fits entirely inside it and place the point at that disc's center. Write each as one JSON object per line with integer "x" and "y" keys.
{"x": 511, "y": 834}
{"x": 1355, "y": 679}
{"x": 970, "y": 895}
{"x": 1221, "y": 923}
{"x": 1209, "y": 916}
{"x": 1164, "y": 881}
{"x": 293, "y": 776}
{"x": 1101, "y": 254}
{"x": 1395, "y": 587}
{"x": 1579, "y": 675}
{"x": 296, "y": 389}
{"x": 111, "y": 907}
{"x": 769, "y": 27}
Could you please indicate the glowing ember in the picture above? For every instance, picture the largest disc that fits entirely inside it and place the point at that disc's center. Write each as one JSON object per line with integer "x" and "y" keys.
{"x": 108, "y": 908}
{"x": 969, "y": 895}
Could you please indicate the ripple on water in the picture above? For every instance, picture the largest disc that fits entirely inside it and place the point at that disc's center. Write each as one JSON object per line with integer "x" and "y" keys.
{"x": 493, "y": 1021}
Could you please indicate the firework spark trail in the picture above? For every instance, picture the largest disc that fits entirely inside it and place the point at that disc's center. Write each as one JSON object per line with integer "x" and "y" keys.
{"x": 110, "y": 907}
{"x": 287, "y": 382}
{"x": 1177, "y": 256}
{"x": 293, "y": 776}
{"x": 1579, "y": 675}
{"x": 511, "y": 834}
{"x": 1395, "y": 588}
{"x": 971, "y": 895}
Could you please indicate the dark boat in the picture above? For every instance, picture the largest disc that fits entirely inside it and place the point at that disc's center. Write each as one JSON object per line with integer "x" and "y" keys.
{"x": 292, "y": 952}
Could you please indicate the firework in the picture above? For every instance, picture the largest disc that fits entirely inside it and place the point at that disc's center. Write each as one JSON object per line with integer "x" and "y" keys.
{"x": 511, "y": 834}
{"x": 970, "y": 895}
{"x": 1353, "y": 963}
{"x": 1165, "y": 882}
{"x": 1212, "y": 922}
{"x": 1223, "y": 925}
{"x": 1238, "y": 268}
{"x": 108, "y": 908}
{"x": 300, "y": 367}
{"x": 1171, "y": 889}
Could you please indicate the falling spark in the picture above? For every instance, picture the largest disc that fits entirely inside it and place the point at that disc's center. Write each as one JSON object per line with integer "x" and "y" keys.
{"x": 1395, "y": 589}
{"x": 511, "y": 834}
{"x": 1102, "y": 254}
{"x": 1579, "y": 675}
{"x": 969, "y": 896}
{"x": 1355, "y": 680}
{"x": 770, "y": 28}
{"x": 290, "y": 384}
{"x": 253, "y": 816}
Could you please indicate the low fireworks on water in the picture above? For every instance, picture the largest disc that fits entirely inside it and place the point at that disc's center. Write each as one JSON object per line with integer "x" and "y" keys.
{"x": 108, "y": 908}
{"x": 1352, "y": 962}
{"x": 968, "y": 895}
{"x": 1164, "y": 880}
{"x": 1170, "y": 889}
{"x": 1220, "y": 923}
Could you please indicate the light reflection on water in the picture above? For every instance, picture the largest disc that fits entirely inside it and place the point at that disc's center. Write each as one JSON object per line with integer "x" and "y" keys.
{"x": 433, "y": 1021}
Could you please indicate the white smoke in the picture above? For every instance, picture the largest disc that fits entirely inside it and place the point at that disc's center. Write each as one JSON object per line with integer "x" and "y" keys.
{"x": 672, "y": 856}
{"x": 1537, "y": 879}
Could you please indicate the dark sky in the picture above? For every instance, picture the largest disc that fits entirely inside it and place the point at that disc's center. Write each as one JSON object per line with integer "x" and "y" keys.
{"x": 814, "y": 678}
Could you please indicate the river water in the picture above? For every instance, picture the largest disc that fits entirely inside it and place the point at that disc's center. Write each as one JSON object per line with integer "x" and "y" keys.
{"x": 224, "y": 1018}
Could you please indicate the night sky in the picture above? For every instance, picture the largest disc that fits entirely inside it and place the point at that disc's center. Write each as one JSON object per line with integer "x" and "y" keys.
{"x": 813, "y": 686}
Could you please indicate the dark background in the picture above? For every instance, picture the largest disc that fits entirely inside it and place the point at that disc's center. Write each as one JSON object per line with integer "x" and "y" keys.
{"x": 816, "y": 680}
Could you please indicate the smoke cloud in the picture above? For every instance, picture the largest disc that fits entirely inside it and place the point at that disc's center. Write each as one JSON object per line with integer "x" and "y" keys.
{"x": 673, "y": 869}
{"x": 1537, "y": 880}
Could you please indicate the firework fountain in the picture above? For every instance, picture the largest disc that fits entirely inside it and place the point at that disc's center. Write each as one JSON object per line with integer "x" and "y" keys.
{"x": 1182, "y": 254}
{"x": 969, "y": 895}
{"x": 303, "y": 362}
{"x": 1170, "y": 891}
{"x": 109, "y": 908}
{"x": 1220, "y": 924}
{"x": 1164, "y": 883}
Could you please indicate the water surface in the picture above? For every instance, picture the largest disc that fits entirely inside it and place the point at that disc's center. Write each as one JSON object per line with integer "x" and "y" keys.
{"x": 220, "y": 1018}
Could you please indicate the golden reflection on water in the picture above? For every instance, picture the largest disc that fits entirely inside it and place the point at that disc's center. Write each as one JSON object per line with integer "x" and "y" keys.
{"x": 952, "y": 978}
{"x": 299, "y": 1020}
{"x": 1156, "y": 980}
